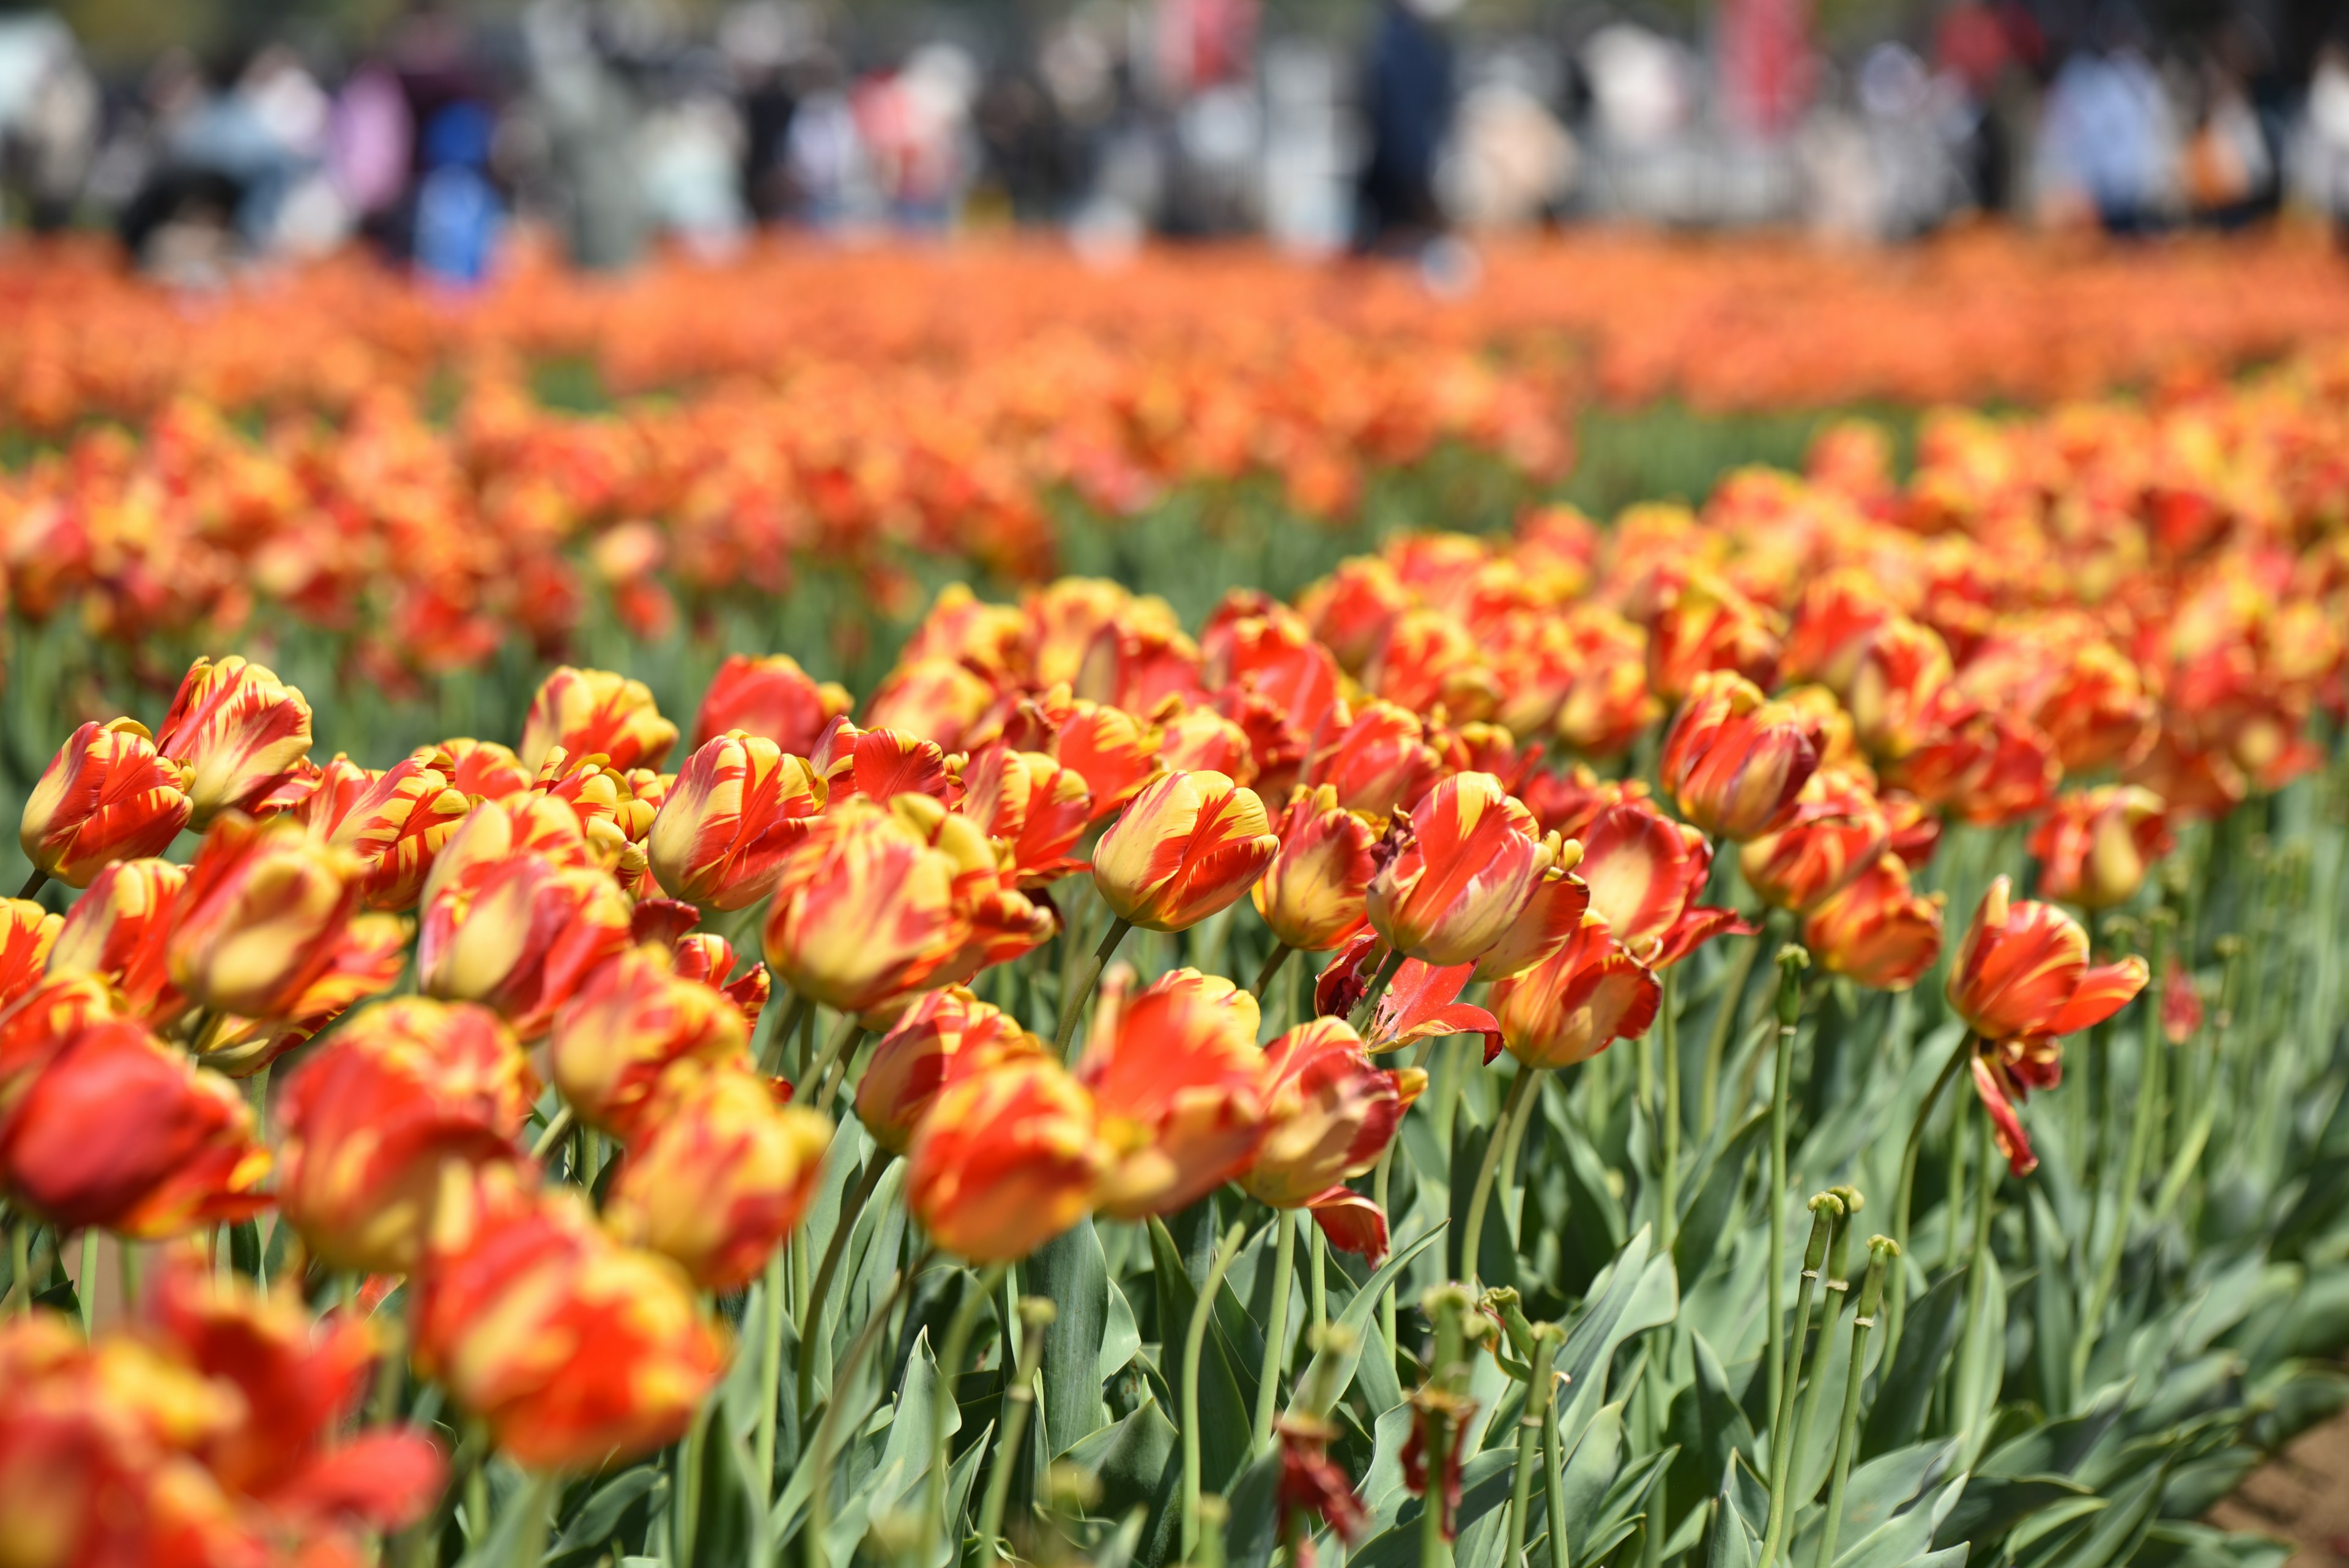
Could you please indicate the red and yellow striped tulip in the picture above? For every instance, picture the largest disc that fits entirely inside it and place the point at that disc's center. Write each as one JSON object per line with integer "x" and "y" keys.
{"x": 2096, "y": 846}
{"x": 1875, "y": 929}
{"x": 1312, "y": 890}
{"x": 1188, "y": 846}
{"x": 1006, "y": 1159}
{"x": 1177, "y": 1083}
{"x": 623, "y": 1030}
{"x": 1576, "y": 1001}
{"x": 738, "y": 806}
{"x": 264, "y": 912}
{"x": 1734, "y": 761}
{"x": 594, "y": 712}
{"x": 107, "y": 795}
{"x": 237, "y": 730}
{"x": 771, "y": 697}
{"x": 1459, "y": 872}
{"x": 2022, "y": 973}
{"x": 946, "y": 1036}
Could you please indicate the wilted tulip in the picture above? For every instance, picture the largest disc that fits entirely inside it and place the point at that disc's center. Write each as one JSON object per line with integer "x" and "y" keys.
{"x": 107, "y": 795}
{"x": 2095, "y": 846}
{"x": 1177, "y": 1083}
{"x": 1576, "y": 1002}
{"x": 1330, "y": 1113}
{"x": 946, "y": 1036}
{"x": 738, "y": 806}
{"x": 1006, "y": 1159}
{"x": 1645, "y": 873}
{"x": 28, "y": 933}
{"x": 262, "y": 913}
{"x": 576, "y": 1351}
{"x": 1463, "y": 868}
{"x": 1189, "y": 846}
{"x": 1734, "y": 762}
{"x": 1875, "y": 929}
{"x": 720, "y": 1176}
{"x": 519, "y": 933}
{"x": 1838, "y": 832}
{"x": 2024, "y": 973}
{"x": 627, "y": 1026}
{"x": 771, "y": 697}
{"x": 1312, "y": 890}
{"x": 238, "y": 730}
{"x": 594, "y": 713}
{"x": 367, "y": 1125}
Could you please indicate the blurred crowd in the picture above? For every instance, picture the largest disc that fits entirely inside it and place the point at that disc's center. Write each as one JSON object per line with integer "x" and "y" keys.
{"x": 620, "y": 126}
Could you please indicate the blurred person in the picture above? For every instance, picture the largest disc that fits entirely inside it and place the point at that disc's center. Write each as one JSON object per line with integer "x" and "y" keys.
{"x": 1023, "y": 148}
{"x": 1407, "y": 99}
{"x": 914, "y": 124}
{"x": 1990, "y": 52}
{"x": 2322, "y": 154}
{"x": 1512, "y": 163}
{"x": 2108, "y": 146}
{"x": 2232, "y": 174}
{"x": 692, "y": 161}
{"x": 457, "y": 214}
{"x": 371, "y": 143}
{"x": 589, "y": 115}
{"x": 759, "y": 41}
{"x": 50, "y": 111}
{"x": 830, "y": 171}
{"x": 1767, "y": 67}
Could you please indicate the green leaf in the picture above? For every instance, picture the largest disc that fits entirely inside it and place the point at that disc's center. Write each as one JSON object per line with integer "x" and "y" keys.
{"x": 2060, "y": 1447}
{"x": 1707, "y": 1214}
{"x": 2111, "y": 1533}
{"x": 1070, "y": 1271}
{"x": 1877, "y": 1490}
{"x": 1903, "y": 1538}
{"x": 1359, "y": 1316}
{"x": 1709, "y": 1425}
{"x": 1591, "y": 1468}
{"x": 1138, "y": 1463}
{"x": 1120, "y": 1339}
{"x": 1635, "y": 1292}
{"x": 727, "y": 1534}
{"x": 1225, "y": 1416}
{"x": 641, "y": 1489}
{"x": 2051, "y": 1331}
{"x": 1927, "y": 1341}
{"x": 1485, "y": 1482}
{"x": 1595, "y": 1229}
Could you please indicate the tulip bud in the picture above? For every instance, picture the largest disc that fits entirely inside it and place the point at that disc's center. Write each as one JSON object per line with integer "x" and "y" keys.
{"x": 1176, "y": 1081}
{"x": 1838, "y": 832}
{"x": 395, "y": 821}
{"x": 1733, "y": 762}
{"x": 944, "y": 1036}
{"x": 29, "y": 934}
{"x": 867, "y": 909}
{"x": 1458, "y": 872}
{"x": 1031, "y": 802}
{"x": 1329, "y": 1113}
{"x": 2024, "y": 973}
{"x": 771, "y": 697}
{"x": 1875, "y": 929}
{"x": 238, "y": 730}
{"x": 1189, "y": 846}
{"x": 1576, "y": 1002}
{"x": 2095, "y": 846}
{"x": 739, "y": 804}
{"x": 1380, "y": 763}
{"x": 1312, "y": 890}
{"x": 577, "y": 1351}
{"x": 1645, "y": 873}
{"x": 367, "y": 1123}
{"x": 1006, "y": 1159}
{"x": 261, "y": 915}
{"x": 627, "y": 1026}
{"x": 521, "y": 934}
{"x": 367, "y": 961}
{"x": 107, "y": 795}
{"x": 594, "y": 713}
{"x": 722, "y": 1175}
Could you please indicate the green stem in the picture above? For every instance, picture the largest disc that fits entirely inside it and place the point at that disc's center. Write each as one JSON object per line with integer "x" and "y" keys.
{"x": 1019, "y": 1399}
{"x": 86, "y": 1285}
{"x": 1970, "y": 1351}
{"x": 20, "y": 1263}
{"x": 1554, "y": 1490}
{"x": 1956, "y": 1205}
{"x": 1379, "y": 1175}
{"x": 1367, "y": 1009}
{"x": 1272, "y": 966}
{"x": 1530, "y": 1430}
{"x": 476, "y": 1499}
{"x": 975, "y": 1299}
{"x": 1482, "y": 1193}
{"x": 780, "y": 1032}
{"x": 34, "y": 884}
{"x": 536, "y": 1506}
{"x": 811, "y": 1312}
{"x": 1276, "y": 1329}
{"x": 1667, "y": 1190}
{"x": 1880, "y": 1249}
{"x": 558, "y": 1128}
{"x": 770, "y": 1371}
{"x": 1905, "y": 1192}
{"x": 1447, "y": 1307}
{"x": 1073, "y": 1005}
{"x": 1195, "y": 1340}
{"x": 125, "y": 1256}
{"x": 819, "y": 1517}
{"x": 1317, "y": 1289}
{"x": 843, "y": 1039}
{"x": 2148, "y": 1096}
{"x": 1826, "y": 1215}
{"x": 1724, "y": 1020}
{"x": 1792, "y": 960}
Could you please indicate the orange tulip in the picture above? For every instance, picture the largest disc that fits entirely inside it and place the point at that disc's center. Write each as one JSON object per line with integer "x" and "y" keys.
{"x": 738, "y": 806}
{"x": 1421, "y": 1002}
{"x": 945, "y": 1036}
{"x": 1576, "y": 1002}
{"x": 937, "y": 700}
{"x": 367, "y": 1123}
{"x": 879, "y": 765}
{"x": 1567, "y": 803}
{"x": 624, "y": 1029}
{"x": 1734, "y": 762}
{"x": 1645, "y": 873}
{"x": 1114, "y": 752}
{"x": 367, "y": 963}
{"x": 1379, "y": 764}
{"x": 1706, "y": 626}
{"x": 1312, "y": 890}
{"x": 395, "y": 821}
{"x": 721, "y": 1175}
{"x": 1176, "y": 1081}
{"x": 866, "y": 909}
{"x": 2024, "y": 973}
{"x": 1035, "y": 803}
{"x": 264, "y": 913}
{"x": 576, "y": 1351}
{"x": 771, "y": 697}
{"x": 594, "y": 713}
{"x": 484, "y": 769}
{"x": 1837, "y": 831}
{"x": 237, "y": 730}
{"x": 1006, "y": 1159}
{"x": 519, "y": 933}
{"x": 1328, "y": 1114}
{"x": 29, "y": 934}
{"x": 107, "y": 795}
{"x": 1462, "y": 870}
{"x": 2094, "y": 847}
{"x": 1607, "y": 703}
{"x": 1899, "y": 674}
{"x": 1875, "y": 929}
{"x": 1987, "y": 767}
{"x": 1189, "y": 846}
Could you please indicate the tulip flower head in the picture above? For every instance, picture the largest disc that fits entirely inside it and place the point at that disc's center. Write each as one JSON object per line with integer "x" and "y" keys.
{"x": 622, "y": 1032}
{"x": 1188, "y": 846}
{"x": 1735, "y": 763}
{"x": 107, "y": 795}
{"x": 516, "y": 930}
{"x": 1034, "y": 804}
{"x": 770, "y": 697}
{"x": 946, "y": 1036}
{"x": 1330, "y": 1113}
{"x": 1312, "y": 891}
{"x": 1875, "y": 929}
{"x": 1459, "y": 871}
{"x": 1837, "y": 831}
{"x": 1004, "y": 1159}
{"x": 1176, "y": 1081}
{"x": 29, "y": 934}
{"x": 264, "y": 913}
{"x": 1582, "y": 998}
{"x": 237, "y": 730}
{"x": 867, "y": 909}
{"x": 395, "y": 821}
{"x": 594, "y": 712}
{"x": 2096, "y": 846}
{"x": 739, "y": 805}
{"x": 1645, "y": 873}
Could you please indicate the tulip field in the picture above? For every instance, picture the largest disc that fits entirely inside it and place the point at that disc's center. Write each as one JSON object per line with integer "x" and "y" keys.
{"x": 1220, "y": 915}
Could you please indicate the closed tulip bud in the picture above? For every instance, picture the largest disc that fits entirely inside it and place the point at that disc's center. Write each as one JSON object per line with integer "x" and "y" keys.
{"x": 107, "y": 795}
{"x": 945, "y": 1035}
{"x": 1312, "y": 890}
{"x": 395, "y": 821}
{"x": 1329, "y": 1113}
{"x": 1875, "y": 929}
{"x": 1838, "y": 832}
{"x": 1031, "y": 802}
{"x": 2096, "y": 846}
{"x": 1459, "y": 871}
{"x": 1576, "y": 1002}
{"x": 575, "y": 1350}
{"x": 238, "y": 730}
{"x": 1380, "y": 763}
{"x": 1734, "y": 762}
{"x": 627, "y": 1026}
{"x": 738, "y": 806}
{"x": 495, "y": 831}
{"x": 261, "y": 915}
{"x": 367, "y": 1123}
{"x": 2024, "y": 973}
{"x": 866, "y": 909}
{"x": 771, "y": 697}
{"x": 28, "y": 933}
{"x": 1897, "y": 676}
{"x": 1645, "y": 873}
{"x": 722, "y": 1175}
{"x": 1189, "y": 846}
{"x": 1177, "y": 1082}
{"x": 521, "y": 934}
{"x": 1197, "y": 738}
{"x": 120, "y": 1131}
{"x": 367, "y": 963}
{"x": 1006, "y": 1159}
{"x": 594, "y": 713}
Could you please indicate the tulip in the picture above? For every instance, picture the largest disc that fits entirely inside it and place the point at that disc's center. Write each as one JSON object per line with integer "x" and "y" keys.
{"x": 738, "y": 806}
{"x": 28, "y": 935}
{"x": 1198, "y": 739}
{"x": 367, "y": 961}
{"x": 1914, "y": 831}
{"x": 1576, "y": 1002}
{"x": 1566, "y": 804}
{"x": 1035, "y": 803}
{"x": 1005, "y": 1160}
{"x": 1606, "y": 704}
{"x": 484, "y": 769}
{"x": 594, "y": 713}
{"x": 1426, "y": 658}
{"x": 1176, "y": 1081}
{"x": 1420, "y": 1001}
{"x": 945, "y": 1036}
{"x": 1734, "y": 762}
{"x": 1328, "y": 1114}
{"x": 2022, "y": 973}
{"x": 1189, "y": 846}
{"x": 395, "y": 821}
{"x": 1837, "y": 831}
{"x": 937, "y": 700}
{"x": 532, "y": 823}
{"x": 576, "y": 1351}
{"x": 520, "y": 934}
{"x": 107, "y": 795}
{"x": 2095, "y": 846}
{"x": 1312, "y": 890}
{"x": 1115, "y": 754}
{"x": 1380, "y": 763}
{"x": 237, "y": 730}
{"x": 1898, "y": 678}
{"x": 771, "y": 697}
{"x": 879, "y": 765}
{"x": 1460, "y": 871}
{"x": 723, "y": 1174}
{"x": 1645, "y": 873}
{"x": 118, "y": 1130}
{"x": 710, "y": 960}
{"x": 1875, "y": 929}
{"x": 367, "y": 1123}
{"x": 1707, "y": 627}
{"x": 1987, "y": 767}
{"x": 263, "y": 914}
{"x": 612, "y": 820}
{"x": 631, "y": 1022}
{"x": 866, "y": 909}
